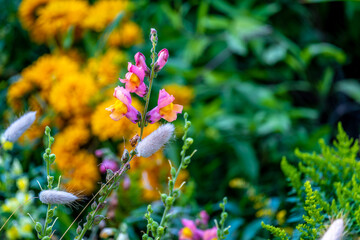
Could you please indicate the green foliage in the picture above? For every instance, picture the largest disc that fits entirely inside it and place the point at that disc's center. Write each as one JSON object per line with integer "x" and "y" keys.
{"x": 335, "y": 173}
{"x": 277, "y": 232}
{"x": 314, "y": 218}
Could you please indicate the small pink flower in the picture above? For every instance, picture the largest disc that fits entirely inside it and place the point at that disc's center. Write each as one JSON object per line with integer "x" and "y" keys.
{"x": 99, "y": 152}
{"x": 122, "y": 106}
{"x": 141, "y": 63}
{"x": 210, "y": 234}
{"x": 204, "y": 217}
{"x": 108, "y": 164}
{"x": 165, "y": 108}
{"x": 162, "y": 59}
{"x": 134, "y": 80}
{"x": 190, "y": 231}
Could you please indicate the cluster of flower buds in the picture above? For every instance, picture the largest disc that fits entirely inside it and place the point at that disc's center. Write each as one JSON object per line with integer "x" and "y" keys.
{"x": 134, "y": 83}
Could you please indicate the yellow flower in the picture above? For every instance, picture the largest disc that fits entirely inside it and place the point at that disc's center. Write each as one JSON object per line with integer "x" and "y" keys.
{"x": 17, "y": 91}
{"x": 80, "y": 172}
{"x": 13, "y": 233}
{"x": 105, "y": 128}
{"x": 102, "y": 13}
{"x": 28, "y": 11}
{"x": 72, "y": 95}
{"x": 106, "y": 68}
{"x": 22, "y": 184}
{"x": 7, "y": 145}
{"x": 183, "y": 94}
{"x": 126, "y": 35}
{"x": 10, "y": 205}
{"x": 71, "y": 138}
{"x": 280, "y": 216}
{"x": 41, "y": 75}
{"x": 56, "y": 17}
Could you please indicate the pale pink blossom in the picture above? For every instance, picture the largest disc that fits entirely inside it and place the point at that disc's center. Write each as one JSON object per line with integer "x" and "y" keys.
{"x": 134, "y": 80}
{"x": 141, "y": 63}
{"x": 165, "y": 108}
{"x": 122, "y": 106}
{"x": 162, "y": 59}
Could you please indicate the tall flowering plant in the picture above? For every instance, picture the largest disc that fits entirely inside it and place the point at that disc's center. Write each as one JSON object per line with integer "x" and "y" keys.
{"x": 134, "y": 83}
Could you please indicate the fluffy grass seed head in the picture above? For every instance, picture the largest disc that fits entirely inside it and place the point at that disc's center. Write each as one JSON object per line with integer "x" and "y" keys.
{"x": 18, "y": 127}
{"x": 152, "y": 143}
{"x": 57, "y": 197}
{"x": 335, "y": 231}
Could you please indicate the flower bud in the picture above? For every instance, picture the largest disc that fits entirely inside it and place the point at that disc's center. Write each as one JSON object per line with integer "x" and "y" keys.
{"x": 162, "y": 59}
{"x": 48, "y": 230}
{"x": 187, "y": 160}
{"x": 50, "y": 213}
{"x": 163, "y": 197}
{"x": 125, "y": 156}
{"x": 78, "y": 230}
{"x": 47, "y": 130}
{"x": 160, "y": 231}
{"x": 38, "y": 227}
{"x": 169, "y": 201}
{"x": 52, "y": 158}
{"x": 46, "y": 238}
{"x": 93, "y": 205}
{"x": 98, "y": 219}
{"x": 173, "y": 172}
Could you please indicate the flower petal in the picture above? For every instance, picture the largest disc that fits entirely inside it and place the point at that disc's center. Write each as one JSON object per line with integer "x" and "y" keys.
{"x": 133, "y": 115}
{"x": 141, "y": 90}
{"x": 123, "y": 95}
{"x": 153, "y": 115}
{"x": 138, "y": 71}
{"x": 164, "y": 98}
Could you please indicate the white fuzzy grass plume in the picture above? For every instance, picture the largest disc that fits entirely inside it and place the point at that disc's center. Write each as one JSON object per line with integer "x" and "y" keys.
{"x": 152, "y": 143}
{"x": 18, "y": 127}
{"x": 335, "y": 231}
{"x": 57, "y": 197}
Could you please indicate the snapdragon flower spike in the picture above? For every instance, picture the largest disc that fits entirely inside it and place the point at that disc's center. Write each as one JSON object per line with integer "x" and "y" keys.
{"x": 134, "y": 80}
{"x": 165, "y": 108}
{"x": 122, "y": 107}
{"x": 162, "y": 59}
{"x": 141, "y": 63}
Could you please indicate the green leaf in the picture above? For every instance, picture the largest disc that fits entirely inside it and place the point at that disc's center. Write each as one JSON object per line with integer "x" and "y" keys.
{"x": 246, "y": 156}
{"x": 350, "y": 87}
{"x": 325, "y": 50}
{"x": 274, "y": 54}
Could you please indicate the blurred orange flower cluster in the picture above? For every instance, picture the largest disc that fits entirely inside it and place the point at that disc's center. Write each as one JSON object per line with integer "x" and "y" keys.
{"x": 70, "y": 91}
{"x": 50, "y": 20}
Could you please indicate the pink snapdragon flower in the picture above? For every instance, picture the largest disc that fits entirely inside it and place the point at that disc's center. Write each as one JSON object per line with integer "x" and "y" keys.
{"x": 162, "y": 59}
{"x": 122, "y": 107}
{"x": 210, "y": 234}
{"x": 204, "y": 218}
{"x": 134, "y": 79}
{"x": 190, "y": 231}
{"x": 165, "y": 108}
{"x": 108, "y": 164}
{"x": 141, "y": 63}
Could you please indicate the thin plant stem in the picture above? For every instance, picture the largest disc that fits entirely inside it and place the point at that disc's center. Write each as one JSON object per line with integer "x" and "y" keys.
{"x": 117, "y": 174}
{"x": 151, "y": 77}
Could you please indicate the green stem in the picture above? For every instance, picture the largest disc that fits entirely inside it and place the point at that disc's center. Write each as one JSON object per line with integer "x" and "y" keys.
{"x": 116, "y": 178}
{"x": 46, "y": 220}
{"x": 151, "y": 77}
